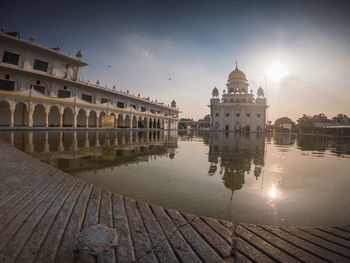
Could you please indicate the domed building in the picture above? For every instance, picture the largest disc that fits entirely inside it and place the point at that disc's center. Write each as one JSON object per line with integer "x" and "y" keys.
{"x": 238, "y": 109}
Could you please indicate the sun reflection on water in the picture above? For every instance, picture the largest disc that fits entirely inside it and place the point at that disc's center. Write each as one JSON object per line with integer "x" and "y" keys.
{"x": 273, "y": 192}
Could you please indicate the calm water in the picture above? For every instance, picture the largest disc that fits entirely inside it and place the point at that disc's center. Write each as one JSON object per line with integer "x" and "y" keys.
{"x": 279, "y": 180}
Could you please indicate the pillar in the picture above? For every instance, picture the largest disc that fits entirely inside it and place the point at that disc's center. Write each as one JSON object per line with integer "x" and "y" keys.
{"x": 12, "y": 117}
{"x": 47, "y": 111}
{"x": 98, "y": 119}
{"x": 87, "y": 112}
{"x": 75, "y": 117}
{"x": 61, "y": 112}
{"x": 30, "y": 114}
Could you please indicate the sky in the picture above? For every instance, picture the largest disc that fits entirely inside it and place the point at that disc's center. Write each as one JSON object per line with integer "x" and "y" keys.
{"x": 181, "y": 50}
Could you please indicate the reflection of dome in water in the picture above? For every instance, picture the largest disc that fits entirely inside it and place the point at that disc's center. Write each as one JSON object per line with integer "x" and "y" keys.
{"x": 257, "y": 171}
{"x": 212, "y": 169}
{"x": 233, "y": 180}
{"x": 171, "y": 155}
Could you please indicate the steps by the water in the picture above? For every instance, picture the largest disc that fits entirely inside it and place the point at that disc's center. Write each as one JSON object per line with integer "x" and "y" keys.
{"x": 42, "y": 209}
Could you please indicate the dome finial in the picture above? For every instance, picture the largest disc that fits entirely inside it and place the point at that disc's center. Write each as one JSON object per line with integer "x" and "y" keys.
{"x": 236, "y": 65}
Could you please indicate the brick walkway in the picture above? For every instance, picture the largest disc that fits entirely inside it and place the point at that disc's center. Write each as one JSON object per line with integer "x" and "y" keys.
{"x": 42, "y": 208}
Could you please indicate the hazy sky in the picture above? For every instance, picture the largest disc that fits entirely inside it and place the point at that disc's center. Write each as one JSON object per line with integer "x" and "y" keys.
{"x": 196, "y": 44}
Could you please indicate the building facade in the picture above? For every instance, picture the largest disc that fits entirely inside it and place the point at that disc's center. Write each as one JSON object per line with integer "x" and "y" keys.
{"x": 238, "y": 109}
{"x": 41, "y": 87}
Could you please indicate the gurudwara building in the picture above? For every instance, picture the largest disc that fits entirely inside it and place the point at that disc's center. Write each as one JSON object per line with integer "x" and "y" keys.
{"x": 238, "y": 109}
{"x": 42, "y": 87}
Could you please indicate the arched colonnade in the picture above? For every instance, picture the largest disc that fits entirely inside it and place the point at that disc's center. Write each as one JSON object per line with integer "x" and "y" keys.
{"x": 22, "y": 113}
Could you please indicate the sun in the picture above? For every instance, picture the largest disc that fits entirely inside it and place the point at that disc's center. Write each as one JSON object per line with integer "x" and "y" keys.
{"x": 276, "y": 72}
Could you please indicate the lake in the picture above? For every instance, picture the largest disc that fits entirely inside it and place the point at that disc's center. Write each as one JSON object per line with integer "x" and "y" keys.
{"x": 281, "y": 179}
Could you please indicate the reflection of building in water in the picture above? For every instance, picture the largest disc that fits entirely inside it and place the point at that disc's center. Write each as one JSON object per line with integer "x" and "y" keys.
{"x": 319, "y": 144}
{"x": 83, "y": 151}
{"x": 281, "y": 139}
{"x": 238, "y": 110}
{"x": 235, "y": 155}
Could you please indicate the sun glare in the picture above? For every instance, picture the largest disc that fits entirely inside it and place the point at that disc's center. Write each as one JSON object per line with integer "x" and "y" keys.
{"x": 276, "y": 72}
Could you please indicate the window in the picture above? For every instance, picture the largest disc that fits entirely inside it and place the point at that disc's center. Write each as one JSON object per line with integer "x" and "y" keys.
{"x": 217, "y": 114}
{"x": 133, "y": 106}
{"x": 63, "y": 93}
{"x": 10, "y": 58}
{"x": 104, "y": 100}
{"x": 40, "y": 65}
{"x": 39, "y": 88}
{"x": 120, "y": 104}
{"x": 7, "y": 85}
{"x": 237, "y": 114}
{"x": 7, "y": 76}
{"x": 231, "y": 100}
{"x": 248, "y": 115}
{"x": 86, "y": 97}
{"x": 258, "y": 115}
{"x": 143, "y": 109}
{"x": 152, "y": 110}
{"x": 227, "y": 114}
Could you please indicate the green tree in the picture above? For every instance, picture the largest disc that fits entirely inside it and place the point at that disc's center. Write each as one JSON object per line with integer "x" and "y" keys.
{"x": 320, "y": 118}
{"x": 206, "y": 117}
{"x": 305, "y": 123}
{"x": 283, "y": 120}
{"x": 341, "y": 118}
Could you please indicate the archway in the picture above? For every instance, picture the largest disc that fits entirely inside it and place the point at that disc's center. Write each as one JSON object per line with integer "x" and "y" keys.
{"x": 150, "y": 123}
{"x": 120, "y": 122}
{"x": 92, "y": 121}
{"x": 162, "y": 124}
{"x": 134, "y": 122}
{"x": 21, "y": 114}
{"x": 81, "y": 118}
{"x": 114, "y": 119}
{"x": 140, "y": 123}
{"x": 158, "y": 124}
{"x": 39, "y": 116}
{"x": 127, "y": 122}
{"x": 54, "y": 117}
{"x": 154, "y": 125}
{"x": 102, "y": 113}
{"x": 67, "y": 118}
{"x": 5, "y": 116}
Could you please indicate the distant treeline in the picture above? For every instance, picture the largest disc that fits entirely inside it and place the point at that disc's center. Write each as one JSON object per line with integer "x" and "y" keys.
{"x": 318, "y": 123}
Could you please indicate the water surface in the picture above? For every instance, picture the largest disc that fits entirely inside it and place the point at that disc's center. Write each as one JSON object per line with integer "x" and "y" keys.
{"x": 275, "y": 180}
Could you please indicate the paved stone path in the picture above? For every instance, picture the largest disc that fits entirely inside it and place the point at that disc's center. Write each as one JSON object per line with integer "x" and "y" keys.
{"x": 42, "y": 208}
